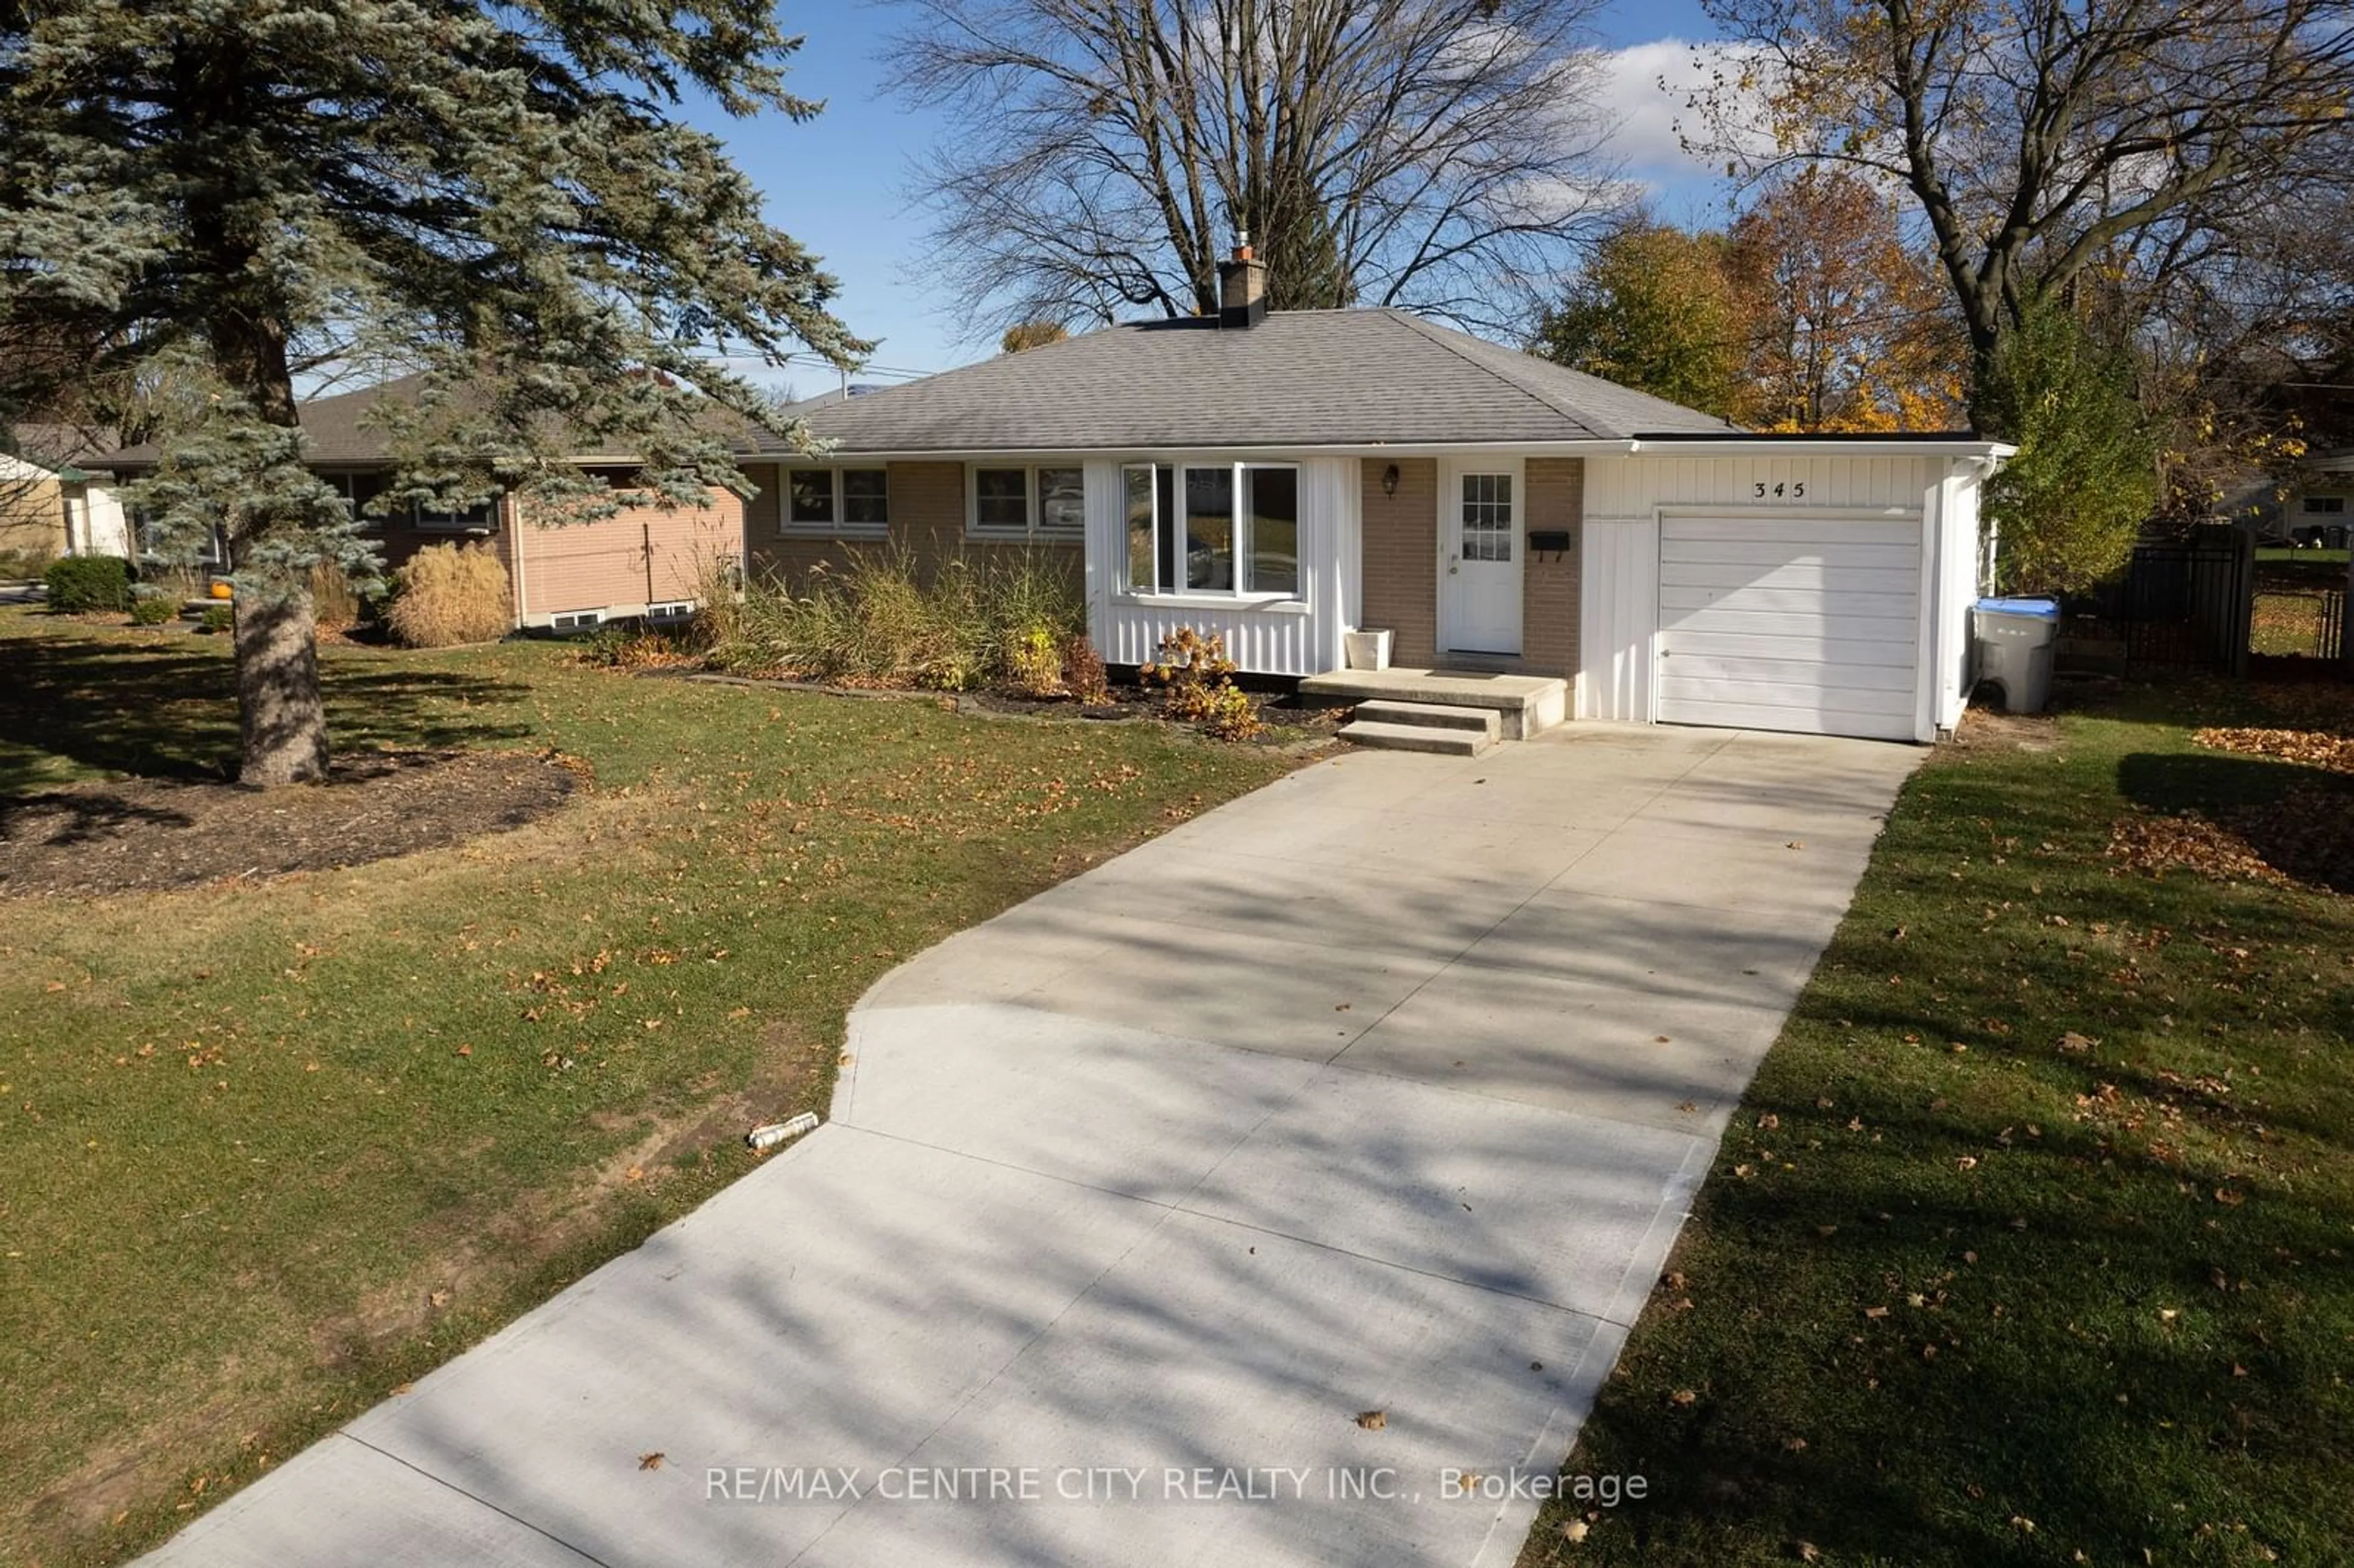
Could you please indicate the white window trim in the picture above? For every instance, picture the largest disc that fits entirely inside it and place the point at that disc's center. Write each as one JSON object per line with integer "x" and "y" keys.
{"x": 836, "y": 528}
{"x": 1294, "y": 603}
{"x": 1033, "y": 499}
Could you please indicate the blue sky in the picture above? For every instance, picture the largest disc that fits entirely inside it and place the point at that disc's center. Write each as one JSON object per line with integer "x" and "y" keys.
{"x": 838, "y": 182}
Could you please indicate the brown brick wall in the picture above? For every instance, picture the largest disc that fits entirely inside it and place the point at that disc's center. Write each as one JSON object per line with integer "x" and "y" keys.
{"x": 1400, "y": 570}
{"x": 1401, "y": 566}
{"x": 1556, "y": 489}
{"x": 926, "y": 521}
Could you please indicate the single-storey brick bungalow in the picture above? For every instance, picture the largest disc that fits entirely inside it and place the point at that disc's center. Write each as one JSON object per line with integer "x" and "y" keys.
{"x": 645, "y": 561}
{"x": 1289, "y": 478}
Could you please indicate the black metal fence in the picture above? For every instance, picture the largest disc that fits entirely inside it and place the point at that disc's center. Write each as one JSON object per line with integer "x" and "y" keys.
{"x": 2186, "y": 604}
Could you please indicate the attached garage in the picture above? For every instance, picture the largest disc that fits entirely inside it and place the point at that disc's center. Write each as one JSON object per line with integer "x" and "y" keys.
{"x": 1815, "y": 585}
{"x": 1809, "y": 624}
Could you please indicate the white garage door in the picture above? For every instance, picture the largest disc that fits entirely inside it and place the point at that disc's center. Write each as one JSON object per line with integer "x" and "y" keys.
{"x": 1793, "y": 623}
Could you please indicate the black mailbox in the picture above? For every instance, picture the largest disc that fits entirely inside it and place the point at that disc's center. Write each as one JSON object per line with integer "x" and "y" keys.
{"x": 1552, "y": 542}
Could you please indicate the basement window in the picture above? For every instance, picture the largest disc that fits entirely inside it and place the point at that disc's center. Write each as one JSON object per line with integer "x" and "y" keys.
{"x": 1221, "y": 529}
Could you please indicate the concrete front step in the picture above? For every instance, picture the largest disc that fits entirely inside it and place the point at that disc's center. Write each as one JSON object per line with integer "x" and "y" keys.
{"x": 1433, "y": 716}
{"x": 1442, "y": 742}
{"x": 1523, "y": 705}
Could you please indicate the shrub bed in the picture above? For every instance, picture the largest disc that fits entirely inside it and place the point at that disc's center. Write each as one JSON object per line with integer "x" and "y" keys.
{"x": 83, "y": 584}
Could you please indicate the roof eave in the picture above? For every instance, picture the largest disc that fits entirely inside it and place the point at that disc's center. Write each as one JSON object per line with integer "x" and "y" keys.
{"x": 1744, "y": 445}
{"x": 844, "y": 452}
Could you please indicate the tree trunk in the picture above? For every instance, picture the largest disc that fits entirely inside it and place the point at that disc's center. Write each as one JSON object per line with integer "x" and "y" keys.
{"x": 284, "y": 724}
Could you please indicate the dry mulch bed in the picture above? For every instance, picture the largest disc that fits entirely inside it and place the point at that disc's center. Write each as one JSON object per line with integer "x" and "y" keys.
{"x": 149, "y": 835}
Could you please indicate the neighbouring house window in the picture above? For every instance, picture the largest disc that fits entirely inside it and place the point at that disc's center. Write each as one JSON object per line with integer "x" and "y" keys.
{"x": 837, "y": 501}
{"x": 472, "y": 519}
{"x": 2332, "y": 505}
{"x": 359, "y": 489}
{"x": 1488, "y": 517}
{"x": 1222, "y": 528}
{"x": 1046, "y": 502}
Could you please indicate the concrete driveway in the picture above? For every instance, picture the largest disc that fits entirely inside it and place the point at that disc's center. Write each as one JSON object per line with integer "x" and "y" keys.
{"x": 1383, "y": 1089}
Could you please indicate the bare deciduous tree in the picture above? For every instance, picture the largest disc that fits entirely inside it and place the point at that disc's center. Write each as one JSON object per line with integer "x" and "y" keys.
{"x": 2045, "y": 140}
{"x": 1101, "y": 155}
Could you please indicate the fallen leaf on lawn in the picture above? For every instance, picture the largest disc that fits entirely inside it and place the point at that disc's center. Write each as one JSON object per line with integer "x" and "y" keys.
{"x": 2230, "y": 1198}
{"x": 1372, "y": 1420}
{"x": 1794, "y": 843}
{"x": 2076, "y": 1043}
{"x": 1807, "y": 1551}
{"x": 1769, "y": 1121}
{"x": 1875, "y": 1311}
{"x": 437, "y": 1299}
{"x": 465, "y": 1050}
{"x": 1682, "y": 1396}
{"x": 652, "y": 1461}
{"x": 1575, "y": 1529}
{"x": 635, "y": 1173}
{"x": 1967, "y": 1162}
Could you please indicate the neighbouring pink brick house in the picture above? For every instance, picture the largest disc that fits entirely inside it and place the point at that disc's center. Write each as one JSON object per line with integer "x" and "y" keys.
{"x": 646, "y": 561}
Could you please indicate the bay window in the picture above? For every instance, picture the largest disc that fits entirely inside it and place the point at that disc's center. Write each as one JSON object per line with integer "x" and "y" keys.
{"x": 1222, "y": 528}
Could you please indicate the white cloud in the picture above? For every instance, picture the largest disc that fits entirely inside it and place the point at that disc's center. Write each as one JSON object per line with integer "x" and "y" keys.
{"x": 1647, "y": 88}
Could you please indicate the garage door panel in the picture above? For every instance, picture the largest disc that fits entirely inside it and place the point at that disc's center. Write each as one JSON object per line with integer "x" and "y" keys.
{"x": 1807, "y": 624}
{"x": 1777, "y": 552}
{"x": 1813, "y": 650}
{"x": 1837, "y": 677}
{"x": 1793, "y": 721}
{"x": 1800, "y": 601}
{"x": 1792, "y": 695}
{"x": 1790, "y": 623}
{"x": 1804, "y": 575}
{"x": 1808, "y": 530}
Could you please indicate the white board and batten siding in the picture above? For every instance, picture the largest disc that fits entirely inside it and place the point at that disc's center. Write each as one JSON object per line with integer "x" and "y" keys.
{"x": 1820, "y": 595}
{"x": 1299, "y": 636}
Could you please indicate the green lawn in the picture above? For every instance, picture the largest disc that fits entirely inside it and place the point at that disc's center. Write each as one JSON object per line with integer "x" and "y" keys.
{"x": 266, "y": 1153}
{"x": 2030, "y": 1245}
{"x": 2319, "y": 562}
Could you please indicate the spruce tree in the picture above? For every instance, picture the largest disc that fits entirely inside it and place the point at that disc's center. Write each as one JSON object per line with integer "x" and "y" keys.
{"x": 217, "y": 192}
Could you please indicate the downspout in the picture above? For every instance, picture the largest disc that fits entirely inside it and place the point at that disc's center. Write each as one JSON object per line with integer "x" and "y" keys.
{"x": 646, "y": 543}
{"x": 513, "y": 506}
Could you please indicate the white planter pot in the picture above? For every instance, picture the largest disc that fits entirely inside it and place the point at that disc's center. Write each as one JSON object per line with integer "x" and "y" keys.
{"x": 1366, "y": 649}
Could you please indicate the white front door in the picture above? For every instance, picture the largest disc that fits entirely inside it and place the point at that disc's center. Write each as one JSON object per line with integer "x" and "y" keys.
{"x": 1480, "y": 560}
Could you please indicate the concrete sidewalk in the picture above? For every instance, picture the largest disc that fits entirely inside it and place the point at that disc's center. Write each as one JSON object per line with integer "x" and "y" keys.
{"x": 1384, "y": 1088}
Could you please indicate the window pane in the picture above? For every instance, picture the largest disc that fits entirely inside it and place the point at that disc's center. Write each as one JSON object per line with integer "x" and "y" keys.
{"x": 809, "y": 495}
{"x": 1062, "y": 504}
{"x": 1487, "y": 517}
{"x": 1001, "y": 500}
{"x": 1140, "y": 545}
{"x": 865, "y": 496}
{"x": 1210, "y": 528}
{"x": 1274, "y": 529}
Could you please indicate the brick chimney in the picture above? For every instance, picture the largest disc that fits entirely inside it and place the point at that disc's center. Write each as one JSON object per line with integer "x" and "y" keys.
{"x": 1241, "y": 288}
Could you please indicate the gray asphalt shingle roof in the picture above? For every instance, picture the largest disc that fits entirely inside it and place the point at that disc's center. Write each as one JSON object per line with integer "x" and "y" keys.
{"x": 1307, "y": 378}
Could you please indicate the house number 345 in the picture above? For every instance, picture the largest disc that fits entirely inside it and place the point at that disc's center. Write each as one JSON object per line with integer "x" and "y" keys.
{"x": 1797, "y": 491}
